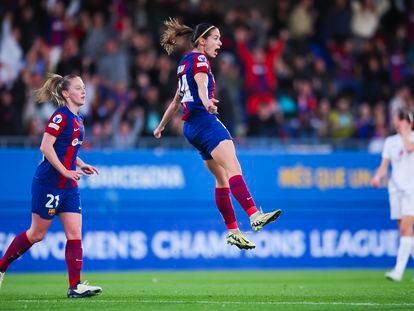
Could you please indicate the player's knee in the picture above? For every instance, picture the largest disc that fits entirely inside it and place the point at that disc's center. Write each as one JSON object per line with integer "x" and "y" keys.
{"x": 74, "y": 235}
{"x": 234, "y": 169}
{"x": 222, "y": 183}
{"x": 406, "y": 231}
{"x": 35, "y": 237}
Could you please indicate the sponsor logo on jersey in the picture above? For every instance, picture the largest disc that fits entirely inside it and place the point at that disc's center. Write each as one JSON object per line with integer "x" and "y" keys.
{"x": 76, "y": 142}
{"x": 202, "y": 58}
{"x": 76, "y": 129}
{"x": 202, "y": 65}
{"x": 57, "y": 118}
{"x": 54, "y": 126}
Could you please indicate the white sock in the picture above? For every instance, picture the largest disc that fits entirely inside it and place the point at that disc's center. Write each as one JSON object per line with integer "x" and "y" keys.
{"x": 254, "y": 215}
{"x": 404, "y": 250}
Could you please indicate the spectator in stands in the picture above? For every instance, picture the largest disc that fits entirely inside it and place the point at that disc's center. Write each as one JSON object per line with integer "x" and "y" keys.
{"x": 341, "y": 120}
{"x": 366, "y": 15}
{"x": 258, "y": 64}
{"x": 301, "y": 20}
{"x": 126, "y": 126}
{"x": 364, "y": 124}
{"x": 114, "y": 57}
{"x": 11, "y": 53}
{"x": 340, "y": 47}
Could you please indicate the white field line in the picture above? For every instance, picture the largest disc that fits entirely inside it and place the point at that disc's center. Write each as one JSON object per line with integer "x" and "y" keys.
{"x": 207, "y": 302}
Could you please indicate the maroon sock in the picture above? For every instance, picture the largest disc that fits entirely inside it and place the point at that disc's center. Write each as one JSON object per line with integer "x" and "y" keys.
{"x": 73, "y": 256}
{"x": 18, "y": 246}
{"x": 241, "y": 193}
{"x": 225, "y": 207}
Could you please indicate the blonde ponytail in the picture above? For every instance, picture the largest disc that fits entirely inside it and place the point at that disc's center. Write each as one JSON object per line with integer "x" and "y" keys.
{"x": 52, "y": 89}
{"x": 174, "y": 30}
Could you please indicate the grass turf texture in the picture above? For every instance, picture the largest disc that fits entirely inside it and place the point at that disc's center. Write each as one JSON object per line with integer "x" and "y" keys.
{"x": 215, "y": 290}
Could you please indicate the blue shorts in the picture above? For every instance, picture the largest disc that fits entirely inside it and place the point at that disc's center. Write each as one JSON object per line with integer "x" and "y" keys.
{"x": 48, "y": 201}
{"x": 205, "y": 132}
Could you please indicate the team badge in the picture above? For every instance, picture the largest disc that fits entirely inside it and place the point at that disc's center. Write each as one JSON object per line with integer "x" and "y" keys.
{"x": 51, "y": 212}
{"x": 202, "y": 58}
{"x": 57, "y": 118}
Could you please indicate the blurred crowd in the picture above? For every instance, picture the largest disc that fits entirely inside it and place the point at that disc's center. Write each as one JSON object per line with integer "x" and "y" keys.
{"x": 290, "y": 69}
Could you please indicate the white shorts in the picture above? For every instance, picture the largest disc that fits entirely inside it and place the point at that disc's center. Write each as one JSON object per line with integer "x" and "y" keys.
{"x": 401, "y": 204}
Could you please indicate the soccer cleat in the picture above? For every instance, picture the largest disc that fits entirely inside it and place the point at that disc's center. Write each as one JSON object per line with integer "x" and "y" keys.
{"x": 82, "y": 290}
{"x": 393, "y": 276}
{"x": 261, "y": 219}
{"x": 238, "y": 239}
{"x": 2, "y": 277}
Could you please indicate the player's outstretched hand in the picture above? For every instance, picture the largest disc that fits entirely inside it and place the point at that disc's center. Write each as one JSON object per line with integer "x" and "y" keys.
{"x": 211, "y": 106}
{"x": 157, "y": 132}
{"x": 89, "y": 169}
{"x": 73, "y": 175}
{"x": 375, "y": 182}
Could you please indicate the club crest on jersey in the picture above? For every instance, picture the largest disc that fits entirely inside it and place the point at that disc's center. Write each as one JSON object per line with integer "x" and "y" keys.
{"x": 180, "y": 69}
{"x": 76, "y": 142}
{"x": 202, "y": 58}
{"x": 57, "y": 118}
{"x": 51, "y": 212}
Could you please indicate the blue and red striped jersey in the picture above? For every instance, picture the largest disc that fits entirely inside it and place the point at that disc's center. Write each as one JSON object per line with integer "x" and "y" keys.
{"x": 191, "y": 64}
{"x": 69, "y": 132}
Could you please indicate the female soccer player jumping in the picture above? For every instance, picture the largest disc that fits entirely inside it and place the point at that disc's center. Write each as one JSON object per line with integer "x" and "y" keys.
{"x": 54, "y": 187}
{"x": 399, "y": 150}
{"x": 204, "y": 130}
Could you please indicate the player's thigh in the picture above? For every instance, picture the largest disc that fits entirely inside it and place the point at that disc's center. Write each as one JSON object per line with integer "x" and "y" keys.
{"x": 70, "y": 214}
{"x": 72, "y": 225}
{"x": 395, "y": 206}
{"x": 225, "y": 155}
{"x": 219, "y": 173}
{"x": 38, "y": 228}
{"x": 407, "y": 211}
{"x": 407, "y": 204}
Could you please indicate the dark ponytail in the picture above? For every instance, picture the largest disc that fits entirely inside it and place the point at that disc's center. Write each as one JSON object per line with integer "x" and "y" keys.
{"x": 175, "y": 29}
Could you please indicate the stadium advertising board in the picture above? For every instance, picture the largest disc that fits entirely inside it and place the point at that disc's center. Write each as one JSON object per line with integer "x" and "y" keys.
{"x": 155, "y": 209}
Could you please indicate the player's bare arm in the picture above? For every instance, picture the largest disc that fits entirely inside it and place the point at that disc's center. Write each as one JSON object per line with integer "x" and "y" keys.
{"x": 86, "y": 168}
{"x": 201, "y": 79}
{"x": 381, "y": 173}
{"x": 49, "y": 152}
{"x": 168, "y": 114}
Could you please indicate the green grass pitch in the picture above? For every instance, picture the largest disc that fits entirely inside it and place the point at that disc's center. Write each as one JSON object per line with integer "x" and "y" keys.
{"x": 214, "y": 290}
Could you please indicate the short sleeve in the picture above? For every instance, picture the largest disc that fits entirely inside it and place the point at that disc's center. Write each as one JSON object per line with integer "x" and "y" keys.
{"x": 56, "y": 124}
{"x": 386, "y": 152}
{"x": 201, "y": 64}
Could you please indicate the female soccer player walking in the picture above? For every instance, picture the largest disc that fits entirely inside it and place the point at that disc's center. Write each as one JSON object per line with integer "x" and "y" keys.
{"x": 399, "y": 150}
{"x": 204, "y": 130}
{"x": 54, "y": 186}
